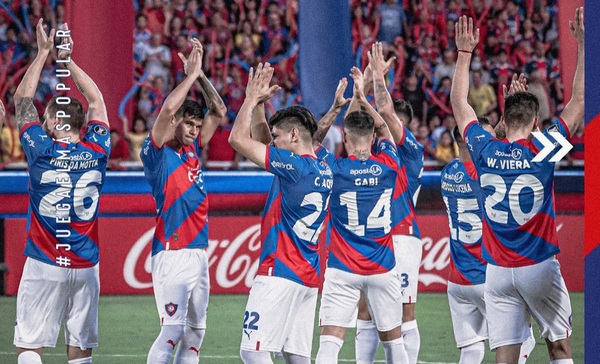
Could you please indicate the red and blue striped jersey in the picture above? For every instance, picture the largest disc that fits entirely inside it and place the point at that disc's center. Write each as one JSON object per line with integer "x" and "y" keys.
{"x": 519, "y": 225}
{"x": 462, "y": 194}
{"x": 293, "y": 216}
{"x": 410, "y": 153}
{"x": 177, "y": 183}
{"x": 65, "y": 181}
{"x": 361, "y": 214}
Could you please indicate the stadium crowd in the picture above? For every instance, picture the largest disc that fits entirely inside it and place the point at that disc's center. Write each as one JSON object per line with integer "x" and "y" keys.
{"x": 517, "y": 36}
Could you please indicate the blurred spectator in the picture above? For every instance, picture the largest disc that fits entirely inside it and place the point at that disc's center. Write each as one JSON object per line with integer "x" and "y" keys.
{"x": 539, "y": 87}
{"x": 119, "y": 151}
{"x": 416, "y": 96}
{"x": 333, "y": 141}
{"x": 219, "y": 149}
{"x": 446, "y": 149}
{"x": 422, "y": 136}
{"x": 393, "y": 21}
{"x": 481, "y": 96}
{"x": 447, "y": 67}
{"x": 157, "y": 59}
{"x": 135, "y": 137}
{"x": 10, "y": 145}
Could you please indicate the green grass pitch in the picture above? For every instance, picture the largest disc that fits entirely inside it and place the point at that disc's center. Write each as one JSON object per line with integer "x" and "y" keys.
{"x": 129, "y": 325}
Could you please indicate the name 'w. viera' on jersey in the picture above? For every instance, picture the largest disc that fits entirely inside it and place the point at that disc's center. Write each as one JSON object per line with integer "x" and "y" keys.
{"x": 293, "y": 216}
{"x": 361, "y": 217}
{"x": 461, "y": 194}
{"x": 65, "y": 180}
{"x": 519, "y": 225}
{"x": 411, "y": 154}
{"x": 175, "y": 177}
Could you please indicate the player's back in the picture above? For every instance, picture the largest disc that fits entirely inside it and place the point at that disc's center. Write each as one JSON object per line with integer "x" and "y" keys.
{"x": 293, "y": 216}
{"x": 361, "y": 214}
{"x": 462, "y": 194}
{"x": 64, "y": 188}
{"x": 519, "y": 227}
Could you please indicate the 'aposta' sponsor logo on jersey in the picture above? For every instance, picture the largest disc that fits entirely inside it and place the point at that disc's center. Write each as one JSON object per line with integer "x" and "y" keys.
{"x": 456, "y": 177}
{"x": 375, "y": 170}
{"x": 515, "y": 154}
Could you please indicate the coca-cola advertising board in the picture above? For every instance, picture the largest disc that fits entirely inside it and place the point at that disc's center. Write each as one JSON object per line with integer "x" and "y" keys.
{"x": 234, "y": 248}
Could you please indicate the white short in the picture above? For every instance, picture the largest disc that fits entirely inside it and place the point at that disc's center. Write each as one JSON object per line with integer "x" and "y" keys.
{"x": 181, "y": 287}
{"x": 341, "y": 292}
{"x": 408, "y": 250}
{"x": 50, "y": 296}
{"x": 280, "y": 315}
{"x": 512, "y": 295}
{"x": 467, "y": 309}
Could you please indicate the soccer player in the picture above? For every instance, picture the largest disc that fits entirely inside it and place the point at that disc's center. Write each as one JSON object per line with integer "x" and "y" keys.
{"x": 281, "y": 307}
{"x": 60, "y": 282}
{"x": 523, "y": 277}
{"x": 461, "y": 193}
{"x": 361, "y": 255}
{"x": 405, "y": 231}
{"x": 172, "y": 168}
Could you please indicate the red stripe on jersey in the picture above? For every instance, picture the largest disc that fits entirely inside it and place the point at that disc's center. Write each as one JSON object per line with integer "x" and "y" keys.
{"x": 470, "y": 168}
{"x": 354, "y": 259}
{"x": 190, "y": 228}
{"x": 47, "y": 242}
{"x": 566, "y": 127}
{"x": 93, "y": 146}
{"x": 543, "y": 226}
{"x": 456, "y": 276}
{"x": 87, "y": 228}
{"x": 26, "y": 126}
{"x": 502, "y": 256}
{"x": 266, "y": 266}
{"x": 386, "y": 159}
{"x": 289, "y": 254}
{"x": 267, "y": 157}
{"x": 177, "y": 184}
{"x": 271, "y": 218}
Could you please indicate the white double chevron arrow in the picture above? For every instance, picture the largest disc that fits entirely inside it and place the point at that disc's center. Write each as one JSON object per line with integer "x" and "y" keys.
{"x": 549, "y": 146}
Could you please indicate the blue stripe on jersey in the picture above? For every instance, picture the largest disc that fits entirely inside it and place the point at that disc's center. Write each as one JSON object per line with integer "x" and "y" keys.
{"x": 461, "y": 194}
{"x": 519, "y": 215}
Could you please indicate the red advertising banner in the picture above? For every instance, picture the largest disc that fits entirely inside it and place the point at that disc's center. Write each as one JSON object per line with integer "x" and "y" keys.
{"x": 234, "y": 248}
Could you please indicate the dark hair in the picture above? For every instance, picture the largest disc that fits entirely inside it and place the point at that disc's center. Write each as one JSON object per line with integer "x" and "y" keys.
{"x": 190, "y": 108}
{"x": 520, "y": 109}
{"x": 296, "y": 115}
{"x": 359, "y": 123}
{"x": 483, "y": 120}
{"x": 74, "y": 109}
{"x": 456, "y": 135}
{"x": 403, "y": 107}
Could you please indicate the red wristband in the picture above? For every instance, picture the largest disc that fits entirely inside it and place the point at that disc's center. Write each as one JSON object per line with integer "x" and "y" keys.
{"x": 463, "y": 51}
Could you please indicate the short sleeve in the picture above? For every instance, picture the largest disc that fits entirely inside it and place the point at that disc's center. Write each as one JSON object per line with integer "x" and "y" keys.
{"x": 411, "y": 149}
{"x": 324, "y": 154}
{"x": 476, "y": 138}
{"x": 283, "y": 163}
{"x": 35, "y": 141}
{"x": 388, "y": 151}
{"x": 97, "y": 137}
{"x": 151, "y": 155}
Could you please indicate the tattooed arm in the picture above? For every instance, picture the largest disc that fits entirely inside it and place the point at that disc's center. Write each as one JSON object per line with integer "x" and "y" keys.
{"x": 85, "y": 85}
{"x": 24, "y": 108}
{"x": 216, "y": 109}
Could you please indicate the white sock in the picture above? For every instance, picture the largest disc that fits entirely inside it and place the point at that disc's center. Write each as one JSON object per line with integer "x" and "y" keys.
{"x": 395, "y": 353}
{"x": 188, "y": 349}
{"x": 527, "y": 345}
{"x": 295, "y": 358}
{"x": 366, "y": 341}
{"x": 412, "y": 340}
{"x": 86, "y": 360}
{"x": 256, "y": 357}
{"x": 329, "y": 348}
{"x": 472, "y": 354}
{"x": 562, "y": 361}
{"x": 169, "y": 336}
{"x": 29, "y": 357}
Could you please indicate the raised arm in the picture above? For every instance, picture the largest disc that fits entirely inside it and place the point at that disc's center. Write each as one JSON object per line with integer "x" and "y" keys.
{"x": 327, "y": 120}
{"x": 381, "y": 129}
{"x": 259, "y": 127}
{"x": 164, "y": 127}
{"x": 573, "y": 112}
{"x": 385, "y": 104}
{"x": 257, "y": 92}
{"x": 466, "y": 40}
{"x": 214, "y": 103}
{"x": 85, "y": 85}
{"x": 24, "y": 108}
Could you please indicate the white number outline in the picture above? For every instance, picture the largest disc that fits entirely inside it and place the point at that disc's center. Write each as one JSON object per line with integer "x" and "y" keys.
{"x": 83, "y": 189}
{"x": 302, "y": 226}
{"x": 376, "y": 218}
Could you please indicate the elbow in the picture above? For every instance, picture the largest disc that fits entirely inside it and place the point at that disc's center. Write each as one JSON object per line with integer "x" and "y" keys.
{"x": 220, "y": 111}
{"x": 233, "y": 141}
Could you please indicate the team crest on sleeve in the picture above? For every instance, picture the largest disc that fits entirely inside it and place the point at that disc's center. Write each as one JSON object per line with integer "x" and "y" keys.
{"x": 171, "y": 308}
{"x": 100, "y": 130}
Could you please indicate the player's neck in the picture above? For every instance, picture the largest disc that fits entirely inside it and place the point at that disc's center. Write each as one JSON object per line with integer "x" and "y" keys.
{"x": 360, "y": 151}
{"x": 514, "y": 135}
{"x": 175, "y": 144}
{"x": 67, "y": 137}
{"x": 301, "y": 149}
